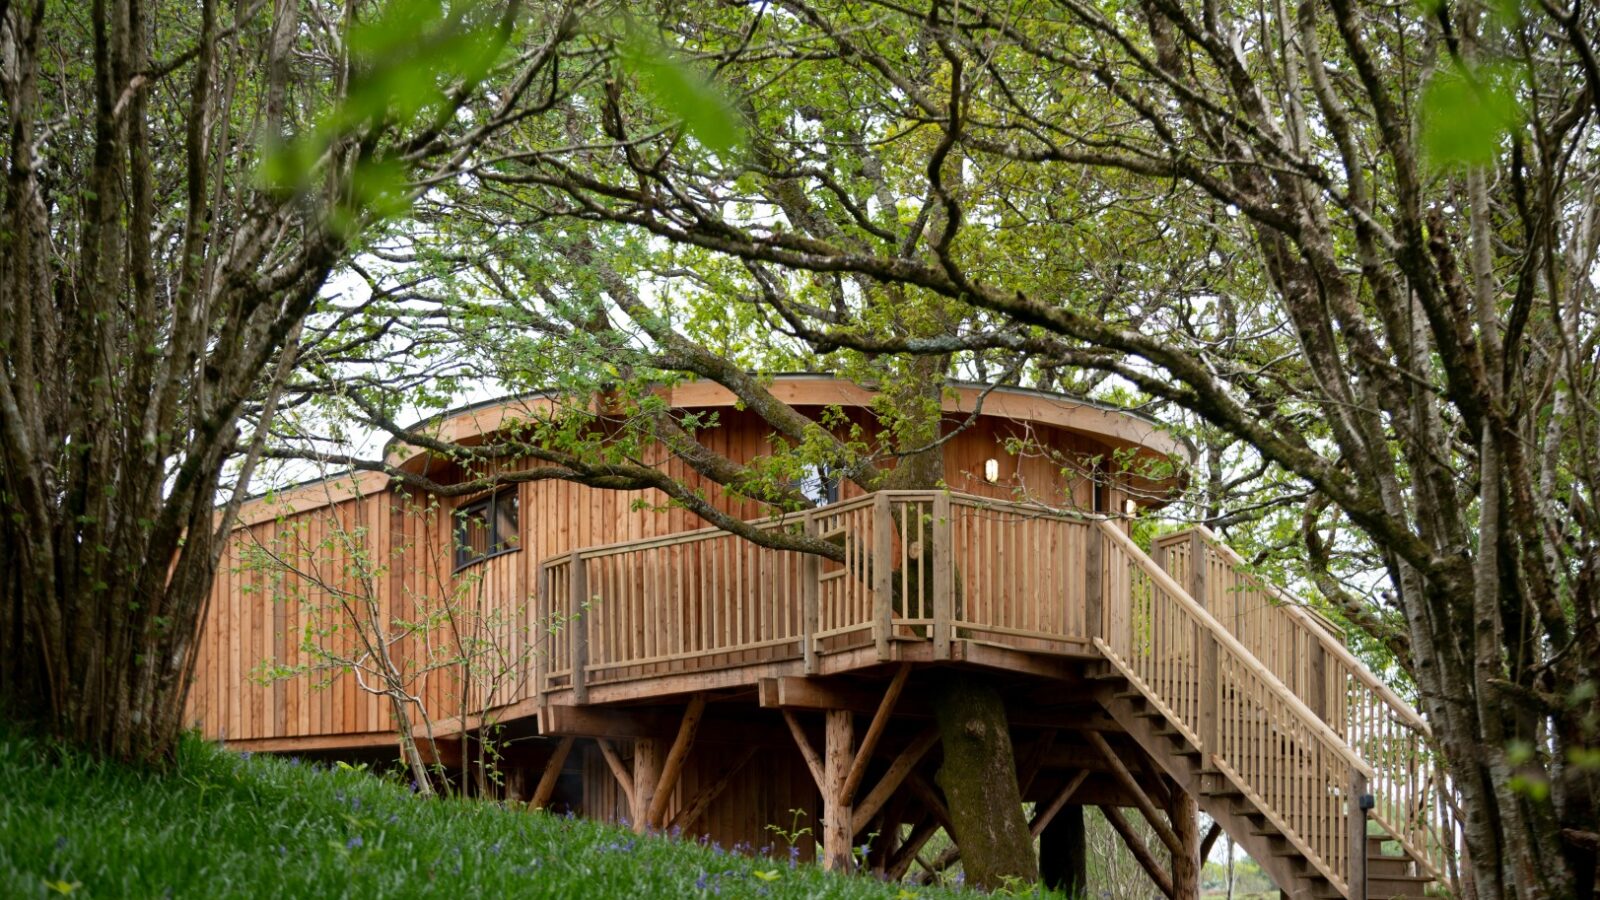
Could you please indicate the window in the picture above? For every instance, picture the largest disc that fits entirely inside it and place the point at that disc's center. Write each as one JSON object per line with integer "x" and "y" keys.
{"x": 486, "y": 528}
{"x": 819, "y": 484}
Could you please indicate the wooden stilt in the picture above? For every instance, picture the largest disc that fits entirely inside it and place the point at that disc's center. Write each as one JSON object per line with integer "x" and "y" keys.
{"x": 1146, "y": 859}
{"x": 1184, "y": 812}
{"x": 673, "y": 767}
{"x": 647, "y": 758}
{"x": 551, "y": 775}
{"x": 1140, "y": 798}
{"x": 892, "y": 779}
{"x": 837, "y": 818}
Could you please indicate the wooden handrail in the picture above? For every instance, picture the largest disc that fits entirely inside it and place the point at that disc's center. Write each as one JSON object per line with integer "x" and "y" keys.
{"x": 1226, "y": 639}
{"x": 1295, "y": 607}
{"x": 1375, "y": 719}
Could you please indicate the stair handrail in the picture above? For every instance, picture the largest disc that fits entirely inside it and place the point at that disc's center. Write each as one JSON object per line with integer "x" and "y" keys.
{"x": 1296, "y": 608}
{"x": 1226, "y": 639}
{"x": 1400, "y": 826}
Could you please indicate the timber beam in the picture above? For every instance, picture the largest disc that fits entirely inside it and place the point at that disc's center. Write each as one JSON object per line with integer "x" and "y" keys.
{"x": 1041, "y": 819}
{"x": 1141, "y": 799}
{"x": 672, "y": 768}
{"x": 552, "y": 774}
{"x": 1141, "y": 853}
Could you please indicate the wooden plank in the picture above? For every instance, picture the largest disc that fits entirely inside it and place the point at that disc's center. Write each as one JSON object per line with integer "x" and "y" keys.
{"x": 1093, "y": 587}
{"x": 882, "y": 574}
{"x": 810, "y": 587}
{"x": 943, "y": 594}
{"x": 578, "y": 623}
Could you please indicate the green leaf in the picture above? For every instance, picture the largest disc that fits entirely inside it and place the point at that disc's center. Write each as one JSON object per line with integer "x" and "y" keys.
{"x": 1467, "y": 113}
{"x": 683, "y": 91}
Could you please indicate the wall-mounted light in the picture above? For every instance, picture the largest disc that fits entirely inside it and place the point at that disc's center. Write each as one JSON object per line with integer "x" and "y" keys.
{"x": 1130, "y": 507}
{"x": 991, "y": 470}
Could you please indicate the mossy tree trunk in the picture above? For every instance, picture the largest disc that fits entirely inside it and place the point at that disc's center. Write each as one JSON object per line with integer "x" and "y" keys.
{"x": 978, "y": 775}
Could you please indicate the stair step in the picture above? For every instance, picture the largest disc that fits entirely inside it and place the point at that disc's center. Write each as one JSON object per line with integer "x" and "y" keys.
{"x": 1389, "y": 865}
{"x": 1128, "y": 695}
{"x": 1148, "y": 712}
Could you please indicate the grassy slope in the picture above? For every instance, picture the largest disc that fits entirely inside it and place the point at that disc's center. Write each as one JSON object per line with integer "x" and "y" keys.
{"x": 219, "y": 825}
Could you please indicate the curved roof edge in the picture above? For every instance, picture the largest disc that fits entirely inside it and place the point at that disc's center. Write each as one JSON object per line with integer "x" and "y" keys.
{"x": 1103, "y": 421}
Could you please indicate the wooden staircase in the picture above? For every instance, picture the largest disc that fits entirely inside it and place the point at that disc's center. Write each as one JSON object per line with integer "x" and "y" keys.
{"x": 1279, "y": 778}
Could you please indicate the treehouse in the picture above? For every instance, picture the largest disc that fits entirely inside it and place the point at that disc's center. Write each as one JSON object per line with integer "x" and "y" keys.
{"x": 638, "y": 667}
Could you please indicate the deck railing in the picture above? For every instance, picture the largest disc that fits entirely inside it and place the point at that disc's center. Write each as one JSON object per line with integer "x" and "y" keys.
{"x": 1304, "y": 651}
{"x": 708, "y": 598}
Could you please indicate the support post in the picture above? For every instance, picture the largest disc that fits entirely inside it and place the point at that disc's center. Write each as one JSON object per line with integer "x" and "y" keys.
{"x": 1063, "y": 853}
{"x": 1210, "y": 682}
{"x": 943, "y": 587}
{"x": 837, "y": 817}
{"x": 1197, "y": 570}
{"x": 882, "y": 574}
{"x": 646, "y": 779}
{"x": 579, "y": 626}
{"x": 541, "y": 624}
{"x": 1317, "y": 693}
{"x": 810, "y": 588}
{"x": 1357, "y": 805}
{"x": 1184, "y": 811}
{"x": 1094, "y": 596}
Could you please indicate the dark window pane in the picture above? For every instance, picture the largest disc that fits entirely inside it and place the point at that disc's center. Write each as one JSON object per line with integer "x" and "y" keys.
{"x": 505, "y": 521}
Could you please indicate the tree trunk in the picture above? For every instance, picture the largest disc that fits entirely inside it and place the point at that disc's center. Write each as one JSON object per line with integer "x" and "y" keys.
{"x": 979, "y": 780}
{"x": 979, "y": 772}
{"x": 1063, "y": 853}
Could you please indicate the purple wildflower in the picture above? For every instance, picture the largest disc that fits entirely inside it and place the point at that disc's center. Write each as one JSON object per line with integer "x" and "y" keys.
{"x": 354, "y": 842}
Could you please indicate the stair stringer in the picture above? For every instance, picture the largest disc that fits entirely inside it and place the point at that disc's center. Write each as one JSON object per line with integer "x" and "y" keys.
{"x": 1184, "y": 768}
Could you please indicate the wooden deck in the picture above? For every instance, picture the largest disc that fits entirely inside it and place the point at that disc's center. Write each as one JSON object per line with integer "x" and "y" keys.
{"x": 1252, "y": 683}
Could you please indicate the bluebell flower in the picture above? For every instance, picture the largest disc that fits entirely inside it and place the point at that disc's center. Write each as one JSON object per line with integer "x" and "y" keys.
{"x": 354, "y": 842}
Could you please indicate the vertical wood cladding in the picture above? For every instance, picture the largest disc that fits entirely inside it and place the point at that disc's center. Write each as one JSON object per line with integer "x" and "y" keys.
{"x": 386, "y": 554}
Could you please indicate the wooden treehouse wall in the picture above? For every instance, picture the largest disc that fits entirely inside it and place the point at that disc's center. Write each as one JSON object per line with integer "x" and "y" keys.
{"x": 257, "y": 617}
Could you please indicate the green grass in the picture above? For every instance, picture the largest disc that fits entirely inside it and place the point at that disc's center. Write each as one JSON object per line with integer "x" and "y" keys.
{"x": 222, "y": 825}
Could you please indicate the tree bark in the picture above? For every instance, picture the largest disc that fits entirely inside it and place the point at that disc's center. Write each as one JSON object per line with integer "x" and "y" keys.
{"x": 979, "y": 780}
